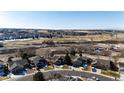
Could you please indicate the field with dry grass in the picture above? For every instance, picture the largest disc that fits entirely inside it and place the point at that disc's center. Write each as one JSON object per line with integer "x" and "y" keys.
{"x": 88, "y": 38}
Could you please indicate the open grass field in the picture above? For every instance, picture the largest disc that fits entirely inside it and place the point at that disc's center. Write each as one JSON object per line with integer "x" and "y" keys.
{"x": 102, "y": 37}
{"x": 89, "y": 38}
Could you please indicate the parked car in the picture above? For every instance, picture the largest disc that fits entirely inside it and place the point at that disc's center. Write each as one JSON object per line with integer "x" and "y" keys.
{"x": 60, "y": 61}
{"x": 18, "y": 71}
{"x": 94, "y": 69}
{"x": 42, "y": 63}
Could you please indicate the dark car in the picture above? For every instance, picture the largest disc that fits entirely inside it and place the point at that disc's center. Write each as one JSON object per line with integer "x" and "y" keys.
{"x": 94, "y": 69}
{"x": 18, "y": 71}
{"x": 29, "y": 66}
{"x": 42, "y": 63}
{"x": 60, "y": 61}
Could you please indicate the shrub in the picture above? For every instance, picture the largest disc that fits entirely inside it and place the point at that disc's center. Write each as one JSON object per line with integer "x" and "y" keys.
{"x": 24, "y": 56}
{"x": 57, "y": 76}
{"x": 113, "y": 66}
{"x": 65, "y": 67}
{"x": 38, "y": 77}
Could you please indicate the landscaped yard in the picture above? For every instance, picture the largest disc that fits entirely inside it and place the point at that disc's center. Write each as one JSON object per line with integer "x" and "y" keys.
{"x": 111, "y": 73}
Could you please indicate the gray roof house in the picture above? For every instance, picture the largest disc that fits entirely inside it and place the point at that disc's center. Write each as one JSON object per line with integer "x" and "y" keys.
{"x": 17, "y": 63}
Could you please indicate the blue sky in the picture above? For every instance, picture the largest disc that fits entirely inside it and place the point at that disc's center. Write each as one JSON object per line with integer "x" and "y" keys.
{"x": 62, "y": 20}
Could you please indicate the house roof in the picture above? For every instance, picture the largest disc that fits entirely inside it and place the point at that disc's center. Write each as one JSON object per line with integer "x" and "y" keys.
{"x": 20, "y": 63}
{"x": 36, "y": 59}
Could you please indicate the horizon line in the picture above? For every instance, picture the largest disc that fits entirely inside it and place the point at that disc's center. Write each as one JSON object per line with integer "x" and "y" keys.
{"x": 61, "y": 28}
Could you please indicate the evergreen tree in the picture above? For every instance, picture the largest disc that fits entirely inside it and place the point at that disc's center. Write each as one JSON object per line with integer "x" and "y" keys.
{"x": 89, "y": 61}
{"x": 68, "y": 59}
{"x": 25, "y": 56}
{"x": 38, "y": 77}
